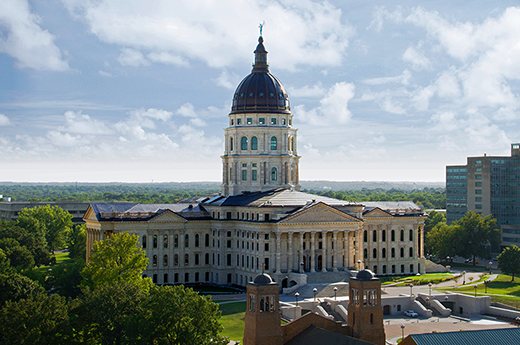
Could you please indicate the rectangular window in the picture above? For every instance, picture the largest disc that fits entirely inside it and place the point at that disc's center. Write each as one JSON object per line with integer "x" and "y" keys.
{"x": 273, "y": 120}
{"x": 266, "y": 247}
{"x": 261, "y": 121}
{"x": 244, "y": 175}
{"x": 232, "y": 122}
{"x": 478, "y": 162}
{"x": 478, "y": 169}
{"x": 478, "y": 199}
{"x": 249, "y": 121}
{"x": 253, "y": 175}
{"x": 478, "y": 184}
{"x": 283, "y": 122}
{"x": 478, "y": 207}
{"x": 478, "y": 191}
{"x": 478, "y": 177}
{"x": 239, "y": 121}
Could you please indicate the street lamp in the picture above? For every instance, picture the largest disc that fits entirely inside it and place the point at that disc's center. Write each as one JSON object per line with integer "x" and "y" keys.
{"x": 301, "y": 266}
{"x": 428, "y": 301}
{"x": 411, "y": 290}
{"x": 402, "y": 331}
{"x": 445, "y": 300}
{"x": 490, "y": 267}
{"x": 335, "y": 291}
{"x": 297, "y": 294}
{"x": 463, "y": 277}
{"x": 359, "y": 265}
{"x": 475, "y": 286}
{"x": 447, "y": 259}
{"x": 430, "y": 286}
{"x": 314, "y": 290}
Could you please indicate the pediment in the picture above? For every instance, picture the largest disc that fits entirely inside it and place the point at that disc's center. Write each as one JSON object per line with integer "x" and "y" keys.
{"x": 320, "y": 213}
{"x": 167, "y": 216}
{"x": 377, "y": 212}
{"x": 89, "y": 214}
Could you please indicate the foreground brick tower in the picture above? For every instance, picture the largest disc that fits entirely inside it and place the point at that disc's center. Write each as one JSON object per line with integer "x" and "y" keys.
{"x": 262, "y": 321}
{"x": 365, "y": 312}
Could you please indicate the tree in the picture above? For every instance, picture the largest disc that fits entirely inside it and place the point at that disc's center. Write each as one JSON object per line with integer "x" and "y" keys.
{"x": 39, "y": 319}
{"x": 117, "y": 259}
{"x": 509, "y": 261}
{"x": 53, "y": 220}
{"x": 443, "y": 240}
{"x": 77, "y": 243}
{"x": 480, "y": 235}
{"x": 31, "y": 236}
{"x": 178, "y": 315}
{"x": 435, "y": 219}
{"x": 18, "y": 255}
{"x": 14, "y": 287}
{"x": 65, "y": 279}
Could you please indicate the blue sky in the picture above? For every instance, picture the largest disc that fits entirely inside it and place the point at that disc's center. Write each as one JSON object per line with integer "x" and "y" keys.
{"x": 135, "y": 91}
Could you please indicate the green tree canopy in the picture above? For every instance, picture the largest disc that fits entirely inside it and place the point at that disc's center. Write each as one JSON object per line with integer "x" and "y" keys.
{"x": 480, "y": 235}
{"x": 18, "y": 255}
{"x": 117, "y": 259}
{"x": 509, "y": 261}
{"x": 77, "y": 243}
{"x": 14, "y": 287}
{"x": 54, "y": 221}
{"x": 434, "y": 219}
{"x": 31, "y": 237}
{"x": 443, "y": 240}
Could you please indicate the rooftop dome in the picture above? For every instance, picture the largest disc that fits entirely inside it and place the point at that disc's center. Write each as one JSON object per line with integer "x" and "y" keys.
{"x": 262, "y": 279}
{"x": 365, "y": 275}
{"x": 260, "y": 91}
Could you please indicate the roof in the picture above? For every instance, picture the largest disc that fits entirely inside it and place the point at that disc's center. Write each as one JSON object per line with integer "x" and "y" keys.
{"x": 135, "y": 211}
{"x": 278, "y": 198}
{"x": 316, "y": 335}
{"x": 394, "y": 207}
{"x": 503, "y": 336}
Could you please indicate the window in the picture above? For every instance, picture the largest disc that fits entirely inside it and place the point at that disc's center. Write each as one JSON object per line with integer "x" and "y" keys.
{"x": 155, "y": 241}
{"x": 154, "y": 260}
{"x": 478, "y": 169}
{"x": 244, "y": 175}
{"x": 274, "y": 175}
{"x": 393, "y": 268}
{"x": 411, "y": 235}
{"x": 196, "y": 277}
{"x": 402, "y": 268}
{"x": 176, "y": 241}
{"x": 186, "y": 240}
{"x": 197, "y": 259}
{"x": 478, "y": 207}
{"x": 165, "y": 260}
{"x": 186, "y": 277}
{"x": 374, "y": 236}
{"x": 411, "y": 268}
{"x": 478, "y": 162}
{"x": 239, "y": 121}
{"x": 230, "y": 144}
{"x": 383, "y": 255}
{"x": 165, "y": 241}
{"x": 186, "y": 260}
{"x": 374, "y": 253}
{"x": 165, "y": 278}
{"x": 383, "y": 236}
{"x": 402, "y": 252}
{"x": 479, "y": 199}
{"x": 274, "y": 145}
{"x": 283, "y": 122}
{"x": 365, "y": 253}
{"x": 243, "y": 143}
{"x": 143, "y": 241}
{"x": 232, "y": 122}
{"x": 365, "y": 236}
{"x": 478, "y": 177}
{"x": 392, "y": 236}
{"x": 402, "y": 235}
{"x": 206, "y": 240}
{"x": 249, "y": 121}
{"x": 254, "y": 143}
{"x": 411, "y": 252}
{"x": 206, "y": 258}
{"x": 273, "y": 120}
{"x": 197, "y": 240}
{"x": 176, "y": 260}
{"x": 261, "y": 121}
{"x": 254, "y": 175}
{"x": 392, "y": 251}
{"x": 478, "y": 191}
{"x": 266, "y": 247}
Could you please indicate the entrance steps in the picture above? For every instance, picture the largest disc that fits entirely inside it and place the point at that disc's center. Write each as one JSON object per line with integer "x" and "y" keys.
{"x": 323, "y": 290}
{"x": 328, "y": 277}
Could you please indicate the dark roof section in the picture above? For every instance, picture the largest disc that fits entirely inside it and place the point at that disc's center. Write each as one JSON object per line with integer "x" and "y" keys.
{"x": 313, "y": 335}
{"x": 263, "y": 279}
{"x": 365, "y": 275}
{"x": 278, "y": 198}
{"x": 502, "y": 336}
{"x": 135, "y": 211}
{"x": 260, "y": 91}
{"x": 395, "y": 208}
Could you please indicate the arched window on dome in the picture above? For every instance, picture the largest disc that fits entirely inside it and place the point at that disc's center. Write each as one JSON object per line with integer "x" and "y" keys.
{"x": 274, "y": 174}
{"x": 274, "y": 143}
{"x": 231, "y": 144}
{"x": 254, "y": 143}
{"x": 243, "y": 143}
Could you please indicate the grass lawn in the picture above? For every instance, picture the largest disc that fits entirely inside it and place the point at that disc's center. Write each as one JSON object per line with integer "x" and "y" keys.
{"x": 211, "y": 290}
{"x": 62, "y": 257}
{"x": 233, "y": 320}
{"x": 422, "y": 279}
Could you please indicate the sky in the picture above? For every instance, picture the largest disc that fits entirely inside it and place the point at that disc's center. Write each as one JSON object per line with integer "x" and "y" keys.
{"x": 139, "y": 91}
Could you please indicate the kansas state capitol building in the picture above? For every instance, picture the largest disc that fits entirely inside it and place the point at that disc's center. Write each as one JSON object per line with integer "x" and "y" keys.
{"x": 261, "y": 218}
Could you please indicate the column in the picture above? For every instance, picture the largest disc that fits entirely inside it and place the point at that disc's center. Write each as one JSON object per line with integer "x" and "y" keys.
{"x": 313, "y": 251}
{"x": 346, "y": 250}
{"x": 325, "y": 253}
{"x": 290, "y": 254}
{"x": 359, "y": 246}
{"x": 335, "y": 251}
{"x": 300, "y": 258}
{"x": 272, "y": 255}
{"x": 278, "y": 253}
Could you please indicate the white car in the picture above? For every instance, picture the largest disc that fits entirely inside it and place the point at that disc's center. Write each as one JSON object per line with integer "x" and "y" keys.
{"x": 411, "y": 313}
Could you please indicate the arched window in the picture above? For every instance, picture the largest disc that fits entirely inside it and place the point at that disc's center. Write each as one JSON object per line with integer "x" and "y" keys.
{"x": 384, "y": 269}
{"x": 274, "y": 143}
{"x": 254, "y": 143}
{"x": 411, "y": 235}
{"x": 392, "y": 236}
{"x": 393, "y": 252}
{"x": 411, "y": 252}
{"x": 374, "y": 236}
{"x": 383, "y": 253}
{"x": 186, "y": 260}
{"x": 365, "y": 253}
{"x": 154, "y": 262}
{"x": 243, "y": 143}
{"x": 402, "y": 252}
{"x": 176, "y": 241}
{"x": 197, "y": 240}
{"x": 165, "y": 241}
{"x": 374, "y": 253}
{"x": 176, "y": 260}
{"x": 231, "y": 144}
{"x": 196, "y": 259}
{"x": 155, "y": 241}
{"x": 274, "y": 174}
{"x": 383, "y": 236}
{"x": 365, "y": 236}
{"x": 186, "y": 240}
{"x": 143, "y": 241}
{"x": 165, "y": 260}
{"x": 206, "y": 259}
{"x": 402, "y": 236}
{"x": 206, "y": 240}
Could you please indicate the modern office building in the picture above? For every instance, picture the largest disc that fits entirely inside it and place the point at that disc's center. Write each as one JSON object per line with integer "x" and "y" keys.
{"x": 487, "y": 185}
{"x": 9, "y": 210}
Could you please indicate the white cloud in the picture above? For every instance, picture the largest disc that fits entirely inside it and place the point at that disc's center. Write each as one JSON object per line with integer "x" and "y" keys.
{"x": 307, "y": 91}
{"x": 416, "y": 58}
{"x": 4, "y": 120}
{"x": 76, "y": 122}
{"x": 333, "y": 108}
{"x": 227, "y": 80}
{"x": 404, "y": 79}
{"x": 307, "y": 32}
{"x": 65, "y": 139}
{"x": 381, "y": 14}
{"x": 26, "y": 41}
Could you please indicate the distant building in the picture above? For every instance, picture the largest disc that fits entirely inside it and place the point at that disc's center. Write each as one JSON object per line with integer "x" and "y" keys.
{"x": 505, "y": 336}
{"x": 10, "y": 210}
{"x": 487, "y": 185}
